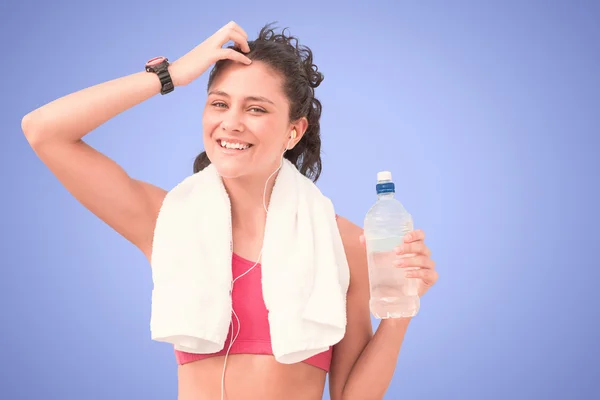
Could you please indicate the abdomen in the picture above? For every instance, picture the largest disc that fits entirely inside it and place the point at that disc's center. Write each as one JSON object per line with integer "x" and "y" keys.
{"x": 250, "y": 377}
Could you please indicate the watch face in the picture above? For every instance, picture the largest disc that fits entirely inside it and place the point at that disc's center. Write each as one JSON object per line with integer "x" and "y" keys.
{"x": 155, "y": 61}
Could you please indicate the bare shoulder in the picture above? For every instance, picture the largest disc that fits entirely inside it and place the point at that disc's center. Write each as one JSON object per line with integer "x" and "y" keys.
{"x": 358, "y": 292}
{"x": 355, "y": 251}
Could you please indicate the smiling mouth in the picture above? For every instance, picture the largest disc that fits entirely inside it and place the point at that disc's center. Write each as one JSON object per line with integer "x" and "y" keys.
{"x": 233, "y": 146}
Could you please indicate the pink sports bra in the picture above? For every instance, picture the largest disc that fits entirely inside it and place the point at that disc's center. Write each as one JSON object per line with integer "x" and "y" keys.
{"x": 254, "y": 333}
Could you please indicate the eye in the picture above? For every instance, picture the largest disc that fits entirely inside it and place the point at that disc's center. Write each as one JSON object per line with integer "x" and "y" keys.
{"x": 256, "y": 109}
{"x": 219, "y": 104}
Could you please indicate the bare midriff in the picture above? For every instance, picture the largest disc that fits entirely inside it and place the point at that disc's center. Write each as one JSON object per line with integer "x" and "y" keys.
{"x": 250, "y": 377}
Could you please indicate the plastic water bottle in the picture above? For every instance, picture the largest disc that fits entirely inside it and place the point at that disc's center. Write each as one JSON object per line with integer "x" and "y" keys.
{"x": 393, "y": 295}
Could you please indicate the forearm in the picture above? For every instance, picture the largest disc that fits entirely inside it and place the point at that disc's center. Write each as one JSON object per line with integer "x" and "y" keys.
{"x": 371, "y": 375}
{"x": 71, "y": 117}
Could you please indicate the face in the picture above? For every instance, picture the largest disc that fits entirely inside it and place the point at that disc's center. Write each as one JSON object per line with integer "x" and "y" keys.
{"x": 246, "y": 121}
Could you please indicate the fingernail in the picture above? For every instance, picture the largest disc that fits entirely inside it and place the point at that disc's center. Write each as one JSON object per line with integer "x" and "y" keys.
{"x": 408, "y": 237}
{"x": 399, "y": 249}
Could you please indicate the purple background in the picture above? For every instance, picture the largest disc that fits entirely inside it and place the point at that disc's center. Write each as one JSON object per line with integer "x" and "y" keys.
{"x": 486, "y": 112}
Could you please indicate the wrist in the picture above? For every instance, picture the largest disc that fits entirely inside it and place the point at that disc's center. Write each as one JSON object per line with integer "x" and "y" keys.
{"x": 400, "y": 324}
{"x": 159, "y": 67}
{"x": 174, "y": 72}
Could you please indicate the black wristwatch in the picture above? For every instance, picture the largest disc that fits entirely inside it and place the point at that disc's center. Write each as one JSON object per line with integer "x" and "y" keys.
{"x": 160, "y": 66}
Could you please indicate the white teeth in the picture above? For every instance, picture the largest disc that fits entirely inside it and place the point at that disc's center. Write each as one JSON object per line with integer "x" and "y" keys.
{"x": 238, "y": 146}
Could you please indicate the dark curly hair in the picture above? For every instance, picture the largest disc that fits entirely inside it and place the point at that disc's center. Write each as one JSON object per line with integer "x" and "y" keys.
{"x": 294, "y": 62}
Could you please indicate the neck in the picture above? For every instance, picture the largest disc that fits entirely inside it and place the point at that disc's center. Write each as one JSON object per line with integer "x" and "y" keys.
{"x": 246, "y": 196}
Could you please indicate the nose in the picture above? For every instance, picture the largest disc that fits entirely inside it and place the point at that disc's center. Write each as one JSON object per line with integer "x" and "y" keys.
{"x": 232, "y": 122}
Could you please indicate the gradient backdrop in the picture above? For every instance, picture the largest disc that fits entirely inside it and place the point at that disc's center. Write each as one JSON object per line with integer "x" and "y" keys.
{"x": 486, "y": 112}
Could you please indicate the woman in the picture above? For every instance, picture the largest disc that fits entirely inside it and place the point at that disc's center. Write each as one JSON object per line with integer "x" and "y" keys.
{"x": 260, "y": 93}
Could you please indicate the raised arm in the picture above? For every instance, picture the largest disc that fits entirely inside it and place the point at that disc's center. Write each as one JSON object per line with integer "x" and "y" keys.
{"x": 56, "y": 130}
{"x": 55, "y": 133}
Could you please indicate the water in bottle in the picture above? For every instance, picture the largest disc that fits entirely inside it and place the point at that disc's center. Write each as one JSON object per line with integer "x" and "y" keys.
{"x": 393, "y": 295}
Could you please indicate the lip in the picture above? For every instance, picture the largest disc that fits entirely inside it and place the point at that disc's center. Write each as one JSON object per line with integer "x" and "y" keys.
{"x": 233, "y": 152}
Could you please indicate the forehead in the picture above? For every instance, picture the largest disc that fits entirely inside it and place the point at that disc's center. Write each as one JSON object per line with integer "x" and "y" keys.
{"x": 256, "y": 79}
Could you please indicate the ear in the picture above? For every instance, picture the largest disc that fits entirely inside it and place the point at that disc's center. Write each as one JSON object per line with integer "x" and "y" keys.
{"x": 300, "y": 126}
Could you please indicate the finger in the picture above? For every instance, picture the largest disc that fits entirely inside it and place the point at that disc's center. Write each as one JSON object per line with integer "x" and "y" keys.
{"x": 235, "y": 33}
{"x": 414, "y": 236}
{"x": 413, "y": 248}
{"x": 241, "y": 32}
{"x": 238, "y": 28}
{"x": 428, "y": 276}
{"x": 237, "y": 38}
{"x": 243, "y": 47}
{"x": 362, "y": 239}
{"x": 235, "y": 56}
{"x": 415, "y": 262}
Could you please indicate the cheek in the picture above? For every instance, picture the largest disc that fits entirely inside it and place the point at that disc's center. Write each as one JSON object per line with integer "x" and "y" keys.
{"x": 268, "y": 131}
{"x": 210, "y": 122}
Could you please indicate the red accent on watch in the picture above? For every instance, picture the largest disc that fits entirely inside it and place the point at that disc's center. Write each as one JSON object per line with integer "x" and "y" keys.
{"x": 160, "y": 67}
{"x": 155, "y": 60}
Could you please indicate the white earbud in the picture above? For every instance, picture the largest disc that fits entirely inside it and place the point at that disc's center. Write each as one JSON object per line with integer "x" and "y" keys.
{"x": 292, "y": 137}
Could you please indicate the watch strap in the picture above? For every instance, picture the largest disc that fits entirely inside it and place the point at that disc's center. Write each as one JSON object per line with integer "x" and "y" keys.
{"x": 161, "y": 69}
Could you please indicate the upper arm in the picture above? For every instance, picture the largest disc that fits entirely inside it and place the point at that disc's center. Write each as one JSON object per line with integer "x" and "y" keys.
{"x": 359, "y": 329}
{"x": 127, "y": 205}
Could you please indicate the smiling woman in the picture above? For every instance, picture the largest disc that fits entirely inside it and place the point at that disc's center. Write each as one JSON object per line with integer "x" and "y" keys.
{"x": 261, "y": 108}
{"x": 277, "y": 93}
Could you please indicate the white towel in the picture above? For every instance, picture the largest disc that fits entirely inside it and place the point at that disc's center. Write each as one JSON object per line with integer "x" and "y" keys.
{"x": 304, "y": 267}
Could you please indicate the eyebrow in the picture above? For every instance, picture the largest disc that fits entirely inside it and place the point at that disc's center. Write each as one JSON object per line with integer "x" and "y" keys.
{"x": 247, "y": 98}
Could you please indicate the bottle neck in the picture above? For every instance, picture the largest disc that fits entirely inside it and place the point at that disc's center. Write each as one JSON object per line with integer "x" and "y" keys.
{"x": 385, "y": 196}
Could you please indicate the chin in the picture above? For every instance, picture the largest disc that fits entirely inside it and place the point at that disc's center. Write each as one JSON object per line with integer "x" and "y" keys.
{"x": 230, "y": 171}
{"x": 229, "y": 167}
